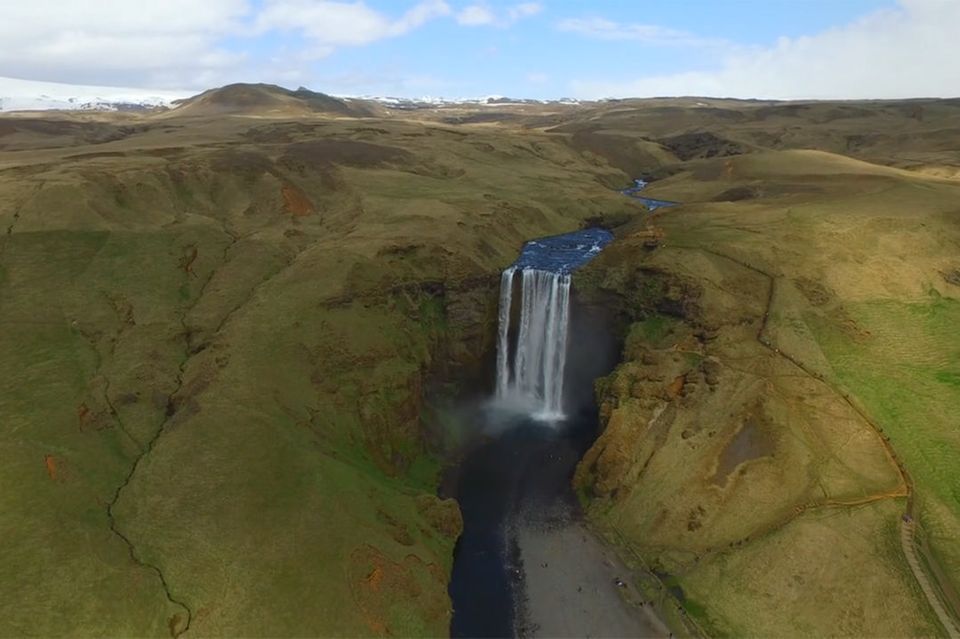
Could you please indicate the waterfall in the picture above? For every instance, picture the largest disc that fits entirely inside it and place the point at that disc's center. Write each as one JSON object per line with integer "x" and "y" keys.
{"x": 535, "y": 379}
{"x": 503, "y": 324}
{"x": 530, "y": 374}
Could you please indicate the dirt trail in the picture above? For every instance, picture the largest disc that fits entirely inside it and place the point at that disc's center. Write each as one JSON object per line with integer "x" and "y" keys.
{"x": 908, "y": 543}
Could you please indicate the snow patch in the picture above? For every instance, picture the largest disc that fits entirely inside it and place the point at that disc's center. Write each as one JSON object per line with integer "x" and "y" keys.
{"x": 30, "y": 95}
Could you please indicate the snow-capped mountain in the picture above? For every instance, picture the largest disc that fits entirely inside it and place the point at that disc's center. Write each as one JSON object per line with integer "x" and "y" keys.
{"x": 431, "y": 101}
{"x": 30, "y": 95}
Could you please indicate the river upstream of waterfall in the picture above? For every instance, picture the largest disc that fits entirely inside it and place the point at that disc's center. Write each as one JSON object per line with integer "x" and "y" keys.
{"x": 526, "y": 565}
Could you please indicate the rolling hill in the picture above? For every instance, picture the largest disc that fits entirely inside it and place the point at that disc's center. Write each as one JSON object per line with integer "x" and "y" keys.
{"x": 230, "y": 329}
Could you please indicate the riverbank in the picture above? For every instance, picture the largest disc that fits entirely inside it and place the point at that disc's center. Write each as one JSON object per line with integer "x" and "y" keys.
{"x": 576, "y": 586}
{"x": 526, "y": 564}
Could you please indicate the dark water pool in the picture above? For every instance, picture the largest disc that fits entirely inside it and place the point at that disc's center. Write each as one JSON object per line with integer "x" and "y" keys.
{"x": 526, "y": 469}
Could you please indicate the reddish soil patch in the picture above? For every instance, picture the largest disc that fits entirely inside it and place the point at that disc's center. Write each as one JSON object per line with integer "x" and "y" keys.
{"x": 186, "y": 262}
{"x": 86, "y": 417}
{"x": 676, "y": 387}
{"x": 296, "y": 202}
{"x": 173, "y": 623}
{"x": 375, "y": 578}
{"x": 379, "y": 583}
{"x": 50, "y": 462}
{"x": 202, "y": 613}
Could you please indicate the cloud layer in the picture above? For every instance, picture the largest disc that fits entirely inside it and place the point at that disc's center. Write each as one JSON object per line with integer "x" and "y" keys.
{"x": 183, "y": 43}
{"x": 127, "y": 42}
{"x": 332, "y": 24}
{"x": 908, "y": 51}
{"x": 603, "y": 29}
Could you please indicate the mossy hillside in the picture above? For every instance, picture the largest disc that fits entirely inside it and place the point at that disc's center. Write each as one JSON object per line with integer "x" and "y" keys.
{"x": 257, "y": 325}
{"x": 161, "y": 262}
{"x": 717, "y": 442}
{"x": 901, "y": 365}
{"x": 75, "y": 422}
{"x": 739, "y": 585}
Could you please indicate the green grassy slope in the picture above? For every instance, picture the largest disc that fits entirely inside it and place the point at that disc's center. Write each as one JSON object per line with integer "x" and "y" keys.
{"x": 218, "y": 335}
{"x": 218, "y": 339}
{"x": 856, "y": 256}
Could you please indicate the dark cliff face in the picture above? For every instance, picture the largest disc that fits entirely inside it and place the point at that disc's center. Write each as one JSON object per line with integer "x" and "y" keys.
{"x": 465, "y": 356}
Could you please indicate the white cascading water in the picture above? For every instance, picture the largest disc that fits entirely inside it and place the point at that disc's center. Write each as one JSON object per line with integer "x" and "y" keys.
{"x": 503, "y": 341}
{"x": 533, "y": 378}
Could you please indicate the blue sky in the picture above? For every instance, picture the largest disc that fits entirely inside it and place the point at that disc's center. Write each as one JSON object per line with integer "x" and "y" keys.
{"x": 472, "y": 48}
{"x": 533, "y": 57}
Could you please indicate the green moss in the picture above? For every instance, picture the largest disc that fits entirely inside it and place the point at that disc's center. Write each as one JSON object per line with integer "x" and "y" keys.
{"x": 433, "y": 317}
{"x": 949, "y": 378}
{"x": 696, "y": 610}
{"x": 905, "y": 378}
{"x": 424, "y": 472}
{"x": 650, "y": 332}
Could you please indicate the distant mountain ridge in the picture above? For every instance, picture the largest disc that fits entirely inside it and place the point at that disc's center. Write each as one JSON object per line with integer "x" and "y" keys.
{"x": 267, "y": 99}
{"x": 30, "y": 95}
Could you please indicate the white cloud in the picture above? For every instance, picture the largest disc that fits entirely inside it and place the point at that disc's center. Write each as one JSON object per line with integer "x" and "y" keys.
{"x": 476, "y": 15}
{"x": 908, "y": 51}
{"x": 603, "y": 29}
{"x": 328, "y": 24}
{"x": 116, "y": 41}
{"x": 184, "y": 43}
{"x": 523, "y": 10}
